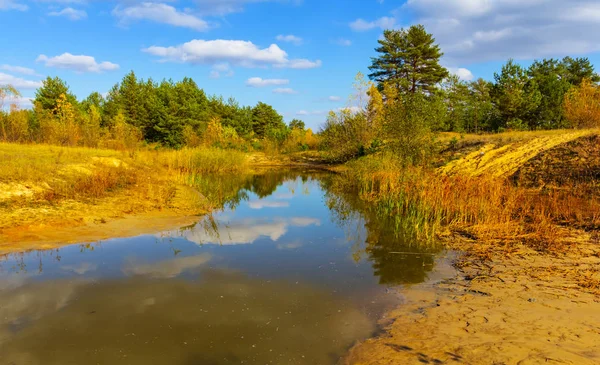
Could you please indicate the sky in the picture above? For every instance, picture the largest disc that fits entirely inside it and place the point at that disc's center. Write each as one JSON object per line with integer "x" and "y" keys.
{"x": 300, "y": 56}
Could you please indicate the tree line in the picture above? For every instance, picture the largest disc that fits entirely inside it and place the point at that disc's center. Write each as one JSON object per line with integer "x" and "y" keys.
{"x": 168, "y": 113}
{"x": 411, "y": 95}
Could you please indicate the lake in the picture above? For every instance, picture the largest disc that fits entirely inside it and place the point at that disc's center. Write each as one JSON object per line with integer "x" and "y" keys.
{"x": 287, "y": 272}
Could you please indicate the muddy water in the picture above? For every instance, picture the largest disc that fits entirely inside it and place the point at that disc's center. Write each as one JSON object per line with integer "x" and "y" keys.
{"x": 287, "y": 273}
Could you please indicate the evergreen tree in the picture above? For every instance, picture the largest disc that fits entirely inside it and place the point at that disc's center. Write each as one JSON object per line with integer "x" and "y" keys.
{"x": 131, "y": 101}
{"x": 297, "y": 124}
{"x": 553, "y": 83}
{"x": 578, "y": 69}
{"x": 266, "y": 120}
{"x": 408, "y": 60}
{"x": 481, "y": 112}
{"x": 516, "y": 96}
{"x": 52, "y": 88}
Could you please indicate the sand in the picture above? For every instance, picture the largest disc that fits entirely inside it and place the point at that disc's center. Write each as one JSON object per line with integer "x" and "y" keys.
{"x": 520, "y": 308}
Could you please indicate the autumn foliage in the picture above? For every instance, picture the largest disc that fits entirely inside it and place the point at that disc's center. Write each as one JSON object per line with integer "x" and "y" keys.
{"x": 582, "y": 105}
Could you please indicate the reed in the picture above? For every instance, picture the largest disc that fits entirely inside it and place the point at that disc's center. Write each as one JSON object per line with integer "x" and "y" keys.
{"x": 427, "y": 202}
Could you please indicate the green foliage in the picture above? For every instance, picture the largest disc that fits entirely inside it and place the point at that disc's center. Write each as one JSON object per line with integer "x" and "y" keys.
{"x": 408, "y": 60}
{"x": 345, "y": 135}
{"x": 297, "y": 124}
{"x": 266, "y": 122}
{"x": 409, "y": 123}
{"x": 515, "y": 95}
{"x": 51, "y": 90}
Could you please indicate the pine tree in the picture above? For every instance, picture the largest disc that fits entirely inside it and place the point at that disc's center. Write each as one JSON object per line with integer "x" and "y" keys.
{"x": 409, "y": 60}
{"x": 52, "y": 88}
{"x": 516, "y": 96}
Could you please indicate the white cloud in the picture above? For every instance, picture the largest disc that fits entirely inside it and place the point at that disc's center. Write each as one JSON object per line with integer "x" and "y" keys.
{"x": 301, "y": 64}
{"x": 77, "y": 63}
{"x": 385, "y": 22}
{"x": 305, "y": 221}
{"x": 284, "y": 90}
{"x": 12, "y": 5}
{"x": 314, "y": 112}
{"x": 494, "y": 30}
{"x": 343, "y": 42}
{"x": 233, "y": 52}
{"x": 260, "y": 204}
{"x": 334, "y": 98}
{"x": 70, "y": 13}
{"x": 17, "y": 82}
{"x": 221, "y": 69}
{"x": 224, "y": 7}
{"x": 159, "y": 13}
{"x": 351, "y": 109}
{"x": 243, "y": 231}
{"x": 259, "y": 82}
{"x": 290, "y": 39}
{"x": 167, "y": 269}
{"x": 18, "y": 69}
{"x": 463, "y": 73}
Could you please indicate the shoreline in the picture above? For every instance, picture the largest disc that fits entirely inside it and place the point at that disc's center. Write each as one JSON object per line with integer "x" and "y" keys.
{"x": 524, "y": 307}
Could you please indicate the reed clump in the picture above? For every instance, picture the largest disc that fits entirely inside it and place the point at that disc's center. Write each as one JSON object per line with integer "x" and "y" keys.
{"x": 199, "y": 160}
{"x": 486, "y": 207}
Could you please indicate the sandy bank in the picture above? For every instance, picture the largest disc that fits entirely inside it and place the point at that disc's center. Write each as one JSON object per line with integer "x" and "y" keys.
{"x": 520, "y": 307}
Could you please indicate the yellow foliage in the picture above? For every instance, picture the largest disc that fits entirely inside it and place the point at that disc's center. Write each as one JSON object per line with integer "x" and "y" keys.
{"x": 124, "y": 135}
{"x": 214, "y": 134}
{"x": 582, "y": 105}
{"x": 15, "y": 126}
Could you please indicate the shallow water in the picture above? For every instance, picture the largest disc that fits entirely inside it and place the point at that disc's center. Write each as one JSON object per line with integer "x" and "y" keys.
{"x": 288, "y": 273}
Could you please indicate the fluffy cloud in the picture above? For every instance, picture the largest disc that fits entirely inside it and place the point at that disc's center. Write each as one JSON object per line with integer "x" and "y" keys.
{"x": 284, "y": 90}
{"x": 290, "y": 39}
{"x": 70, "y": 13}
{"x": 462, "y": 73}
{"x": 478, "y": 31}
{"x": 77, "y": 63}
{"x": 385, "y": 22}
{"x": 18, "y": 69}
{"x": 17, "y": 82}
{"x": 259, "y": 82}
{"x": 159, "y": 13}
{"x": 334, "y": 98}
{"x": 12, "y": 5}
{"x": 233, "y": 52}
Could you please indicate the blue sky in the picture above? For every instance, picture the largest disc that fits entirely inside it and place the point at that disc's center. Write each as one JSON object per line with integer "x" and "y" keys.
{"x": 298, "y": 55}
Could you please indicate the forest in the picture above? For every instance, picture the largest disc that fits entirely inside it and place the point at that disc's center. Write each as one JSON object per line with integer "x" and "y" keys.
{"x": 409, "y": 95}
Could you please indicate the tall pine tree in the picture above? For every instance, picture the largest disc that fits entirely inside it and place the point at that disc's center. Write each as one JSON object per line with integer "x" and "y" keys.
{"x": 409, "y": 60}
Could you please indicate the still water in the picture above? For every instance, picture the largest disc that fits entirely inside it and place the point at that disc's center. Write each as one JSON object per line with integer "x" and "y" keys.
{"x": 288, "y": 272}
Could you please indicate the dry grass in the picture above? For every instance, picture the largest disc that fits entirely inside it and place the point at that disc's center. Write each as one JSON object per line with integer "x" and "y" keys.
{"x": 486, "y": 207}
{"x": 502, "y": 154}
{"x": 42, "y": 182}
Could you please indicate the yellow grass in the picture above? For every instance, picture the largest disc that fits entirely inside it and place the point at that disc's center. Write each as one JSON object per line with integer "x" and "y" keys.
{"x": 502, "y": 154}
{"x": 40, "y": 183}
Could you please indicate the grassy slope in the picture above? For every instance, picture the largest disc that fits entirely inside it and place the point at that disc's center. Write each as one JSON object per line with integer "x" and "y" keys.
{"x": 501, "y": 155}
{"x": 47, "y": 188}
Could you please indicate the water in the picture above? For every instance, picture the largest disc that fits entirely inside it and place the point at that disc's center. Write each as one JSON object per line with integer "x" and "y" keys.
{"x": 287, "y": 273}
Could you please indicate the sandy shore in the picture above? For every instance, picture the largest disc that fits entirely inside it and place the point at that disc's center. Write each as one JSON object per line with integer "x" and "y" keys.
{"x": 522, "y": 307}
